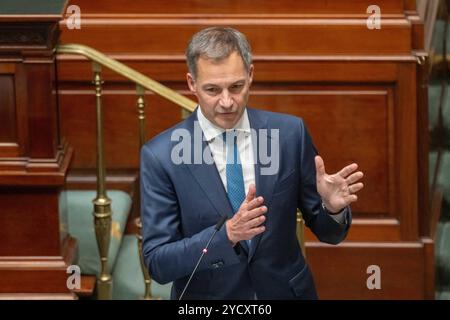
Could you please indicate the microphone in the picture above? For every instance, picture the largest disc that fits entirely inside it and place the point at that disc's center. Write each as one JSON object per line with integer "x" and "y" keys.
{"x": 204, "y": 251}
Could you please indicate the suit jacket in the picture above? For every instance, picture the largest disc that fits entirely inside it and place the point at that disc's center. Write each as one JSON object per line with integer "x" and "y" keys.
{"x": 181, "y": 204}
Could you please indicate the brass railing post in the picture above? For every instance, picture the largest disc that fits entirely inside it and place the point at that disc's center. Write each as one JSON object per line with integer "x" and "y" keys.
{"x": 102, "y": 204}
{"x": 140, "y": 92}
{"x": 301, "y": 232}
{"x": 147, "y": 279}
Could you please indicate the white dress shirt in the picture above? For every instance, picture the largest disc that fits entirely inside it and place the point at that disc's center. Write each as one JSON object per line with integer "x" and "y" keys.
{"x": 213, "y": 135}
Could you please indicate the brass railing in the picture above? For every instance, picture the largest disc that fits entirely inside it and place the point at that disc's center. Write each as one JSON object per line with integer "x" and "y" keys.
{"x": 102, "y": 204}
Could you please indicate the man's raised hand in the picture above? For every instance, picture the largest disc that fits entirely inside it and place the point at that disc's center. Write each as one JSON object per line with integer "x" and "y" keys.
{"x": 338, "y": 190}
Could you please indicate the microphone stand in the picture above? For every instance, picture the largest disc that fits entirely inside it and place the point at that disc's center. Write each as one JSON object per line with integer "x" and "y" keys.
{"x": 204, "y": 251}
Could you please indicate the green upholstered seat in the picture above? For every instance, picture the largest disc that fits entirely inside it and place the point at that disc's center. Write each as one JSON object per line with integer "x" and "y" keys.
{"x": 438, "y": 32}
{"x": 443, "y": 179}
{"x": 442, "y": 240}
{"x": 443, "y": 295}
{"x": 127, "y": 274}
{"x": 442, "y": 253}
{"x": 434, "y": 91}
{"x": 81, "y": 226}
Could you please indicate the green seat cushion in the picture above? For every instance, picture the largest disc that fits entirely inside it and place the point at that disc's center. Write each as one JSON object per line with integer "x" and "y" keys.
{"x": 81, "y": 226}
{"x": 443, "y": 295}
{"x": 438, "y": 32}
{"x": 443, "y": 179}
{"x": 127, "y": 274}
{"x": 434, "y": 93}
{"x": 442, "y": 253}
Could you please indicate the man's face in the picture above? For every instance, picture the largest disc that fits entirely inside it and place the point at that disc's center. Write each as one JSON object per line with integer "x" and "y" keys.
{"x": 222, "y": 89}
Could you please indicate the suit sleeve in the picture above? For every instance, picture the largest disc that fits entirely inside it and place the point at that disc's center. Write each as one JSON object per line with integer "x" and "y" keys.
{"x": 167, "y": 253}
{"x": 316, "y": 218}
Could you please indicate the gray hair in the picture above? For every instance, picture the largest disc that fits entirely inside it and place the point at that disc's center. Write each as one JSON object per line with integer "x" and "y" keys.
{"x": 217, "y": 43}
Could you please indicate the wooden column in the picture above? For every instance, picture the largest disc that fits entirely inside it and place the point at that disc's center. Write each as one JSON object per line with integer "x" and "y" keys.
{"x": 35, "y": 248}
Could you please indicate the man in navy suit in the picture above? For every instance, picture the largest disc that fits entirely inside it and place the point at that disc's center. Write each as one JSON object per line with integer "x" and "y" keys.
{"x": 253, "y": 166}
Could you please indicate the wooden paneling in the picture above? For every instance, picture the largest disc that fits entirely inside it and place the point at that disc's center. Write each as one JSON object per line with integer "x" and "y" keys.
{"x": 27, "y": 58}
{"x": 290, "y": 27}
{"x": 7, "y": 109}
{"x": 345, "y": 109}
{"x": 45, "y": 281}
{"x": 426, "y": 221}
{"x": 343, "y": 273}
{"x": 43, "y": 127}
{"x": 37, "y": 274}
{"x": 35, "y": 248}
{"x": 12, "y": 134}
{"x": 295, "y": 37}
{"x": 19, "y": 237}
{"x": 406, "y": 163}
{"x": 370, "y": 230}
{"x": 120, "y": 125}
{"x": 267, "y": 7}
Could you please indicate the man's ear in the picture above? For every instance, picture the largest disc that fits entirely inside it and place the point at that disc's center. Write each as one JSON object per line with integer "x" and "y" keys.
{"x": 191, "y": 83}
{"x": 250, "y": 74}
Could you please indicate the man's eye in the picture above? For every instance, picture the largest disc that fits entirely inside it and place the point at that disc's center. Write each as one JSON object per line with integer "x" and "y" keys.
{"x": 212, "y": 90}
{"x": 236, "y": 87}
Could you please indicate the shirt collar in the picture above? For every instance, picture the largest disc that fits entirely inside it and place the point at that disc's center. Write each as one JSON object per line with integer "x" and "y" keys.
{"x": 211, "y": 131}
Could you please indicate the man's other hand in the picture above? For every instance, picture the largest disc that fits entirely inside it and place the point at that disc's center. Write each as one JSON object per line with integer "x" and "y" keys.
{"x": 246, "y": 223}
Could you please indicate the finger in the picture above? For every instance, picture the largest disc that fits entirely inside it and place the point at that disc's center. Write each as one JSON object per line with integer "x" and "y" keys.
{"x": 352, "y": 198}
{"x": 256, "y": 222}
{"x": 251, "y": 193}
{"x": 354, "y": 177}
{"x": 348, "y": 170}
{"x": 355, "y": 187}
{"x": 255, "y": 203}
{"x": 255, "y": 213}
{"x": 320, "y": 166}
{"x": 255, "y": 231}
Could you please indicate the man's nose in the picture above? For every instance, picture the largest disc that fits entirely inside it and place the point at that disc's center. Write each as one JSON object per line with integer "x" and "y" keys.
{"x": 225, "y": 99}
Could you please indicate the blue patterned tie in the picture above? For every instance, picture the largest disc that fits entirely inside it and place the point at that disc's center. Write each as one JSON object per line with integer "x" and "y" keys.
{"x": 235, "y": 177}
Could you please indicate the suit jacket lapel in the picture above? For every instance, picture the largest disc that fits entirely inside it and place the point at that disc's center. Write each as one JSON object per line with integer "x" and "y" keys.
{"x": 206, "y": 174}
{"x": 264, "y": 183}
